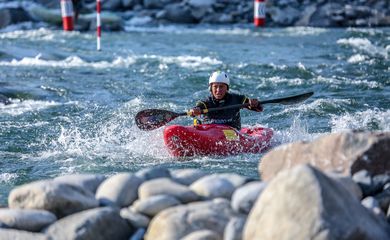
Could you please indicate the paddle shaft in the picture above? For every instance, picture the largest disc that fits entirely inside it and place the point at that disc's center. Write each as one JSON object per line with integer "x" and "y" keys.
{"x": 150, "y": 119}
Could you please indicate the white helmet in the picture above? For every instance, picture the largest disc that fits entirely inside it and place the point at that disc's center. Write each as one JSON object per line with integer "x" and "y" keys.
{"x": 219, "y": 77}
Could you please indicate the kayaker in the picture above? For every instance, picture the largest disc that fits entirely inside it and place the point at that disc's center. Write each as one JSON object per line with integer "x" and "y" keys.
{"x": 219, "y": 97}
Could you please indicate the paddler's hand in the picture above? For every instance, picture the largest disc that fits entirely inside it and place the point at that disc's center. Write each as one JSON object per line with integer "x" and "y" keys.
{"x": 196, "y": 111}
{"x": 255, "y": 105}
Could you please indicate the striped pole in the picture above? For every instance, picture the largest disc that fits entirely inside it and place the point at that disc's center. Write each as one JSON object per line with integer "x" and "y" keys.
{"x": 98, "y": 24}
{"x": 67, "y": 15}
{"x": 259, "y": 16}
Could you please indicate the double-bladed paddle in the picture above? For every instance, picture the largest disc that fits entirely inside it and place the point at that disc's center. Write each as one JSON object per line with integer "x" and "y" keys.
{"x": 150, "y": 119}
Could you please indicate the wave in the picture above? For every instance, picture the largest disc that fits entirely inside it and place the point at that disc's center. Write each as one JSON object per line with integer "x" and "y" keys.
{"x": 118, "y": 62}
{"x": 370, "y": 119}
{"x": 7, "y": 177}
{"x": 19, "y": 107}
{"x": 365, "y": 45}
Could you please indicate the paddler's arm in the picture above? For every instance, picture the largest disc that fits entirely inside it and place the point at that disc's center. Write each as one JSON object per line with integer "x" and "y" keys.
{"x": 254, "y": 104}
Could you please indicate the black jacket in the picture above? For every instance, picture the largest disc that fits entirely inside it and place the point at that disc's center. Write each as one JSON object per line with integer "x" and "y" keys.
{"x": 229, "y": 117}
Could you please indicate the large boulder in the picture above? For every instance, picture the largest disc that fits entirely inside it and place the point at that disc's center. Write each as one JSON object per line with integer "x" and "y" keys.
{"x": 59, "y": 198}
{"x": 306, "y": 204}
{"x": 98, "y": 224}
{"x": 86, "y": 181}
{"x": 177, "y": 222}
{"x": 120, "y": 190}
{"x": 21, "y": 235}
{"x": 165, "y": 186}
{"x": 345, "y": 153}
{"x": 26, "y": 219}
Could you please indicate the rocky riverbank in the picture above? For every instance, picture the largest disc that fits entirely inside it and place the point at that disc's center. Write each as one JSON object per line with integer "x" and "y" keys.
{"x": 118, "y": 14}
{"x": 336, "y": 187}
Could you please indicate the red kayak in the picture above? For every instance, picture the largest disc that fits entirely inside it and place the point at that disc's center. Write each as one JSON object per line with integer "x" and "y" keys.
{"x": 213, "y": 139}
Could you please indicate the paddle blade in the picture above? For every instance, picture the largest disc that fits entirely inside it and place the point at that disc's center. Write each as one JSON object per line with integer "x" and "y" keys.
{"x": 290, "y": 100}
{"x": 151, "y": 119}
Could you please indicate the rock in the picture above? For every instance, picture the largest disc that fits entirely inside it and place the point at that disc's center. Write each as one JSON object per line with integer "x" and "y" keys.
{"x": 153, "y": 173}
{"x": 154, "y": 204}
{"x": 3, "y": 99}
{"x": 348, "y": 183}
{"x": 84, "y": 181}
{"x": 59, "y": 198}
{"x": 307, "y": 204}
{"x": 383, "y": 199}
{"x": 120, "y": 190}
{"x": 236, "y": 179}
{"x": 187, "y": 176}
{"x": 127, "y": 4}
{"x": 135, "y": 219}
{"x": 372, "y": 204}
{"x": 112, "y": 5}
{"x": 234, "y": 228}
{"x": 346, "y": 153}
{"x": 201, "y": 3}
{"x": 26, "y": 219}
{"x": 202, "y": 235}
{"x": 179, "y": 13}
{"x": 177, "y": 222}
{"x": 10, "y": 16}
{"x": 213, "y": 186}
{"x": 364, "y": 180}
{"x": 21, "y": 235}
{"x": 156, "y": 3}
{"x": 99, "y": 223}
{"x": 139, "y": 234}
{"x": 165, "y": 186}
{"x": 244, "y": 197}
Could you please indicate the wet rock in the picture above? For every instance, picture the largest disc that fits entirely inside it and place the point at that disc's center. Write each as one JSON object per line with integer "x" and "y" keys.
{"x": 86, "y": 181}
{"x": 346, "y": 153}
{"x": 26, "y": 219}
{"x": 120, "y": 190}
{"x": 203, "y": 235}
{"x": 21, "y": 235}
{"x": 234, "y": 228}
{"x": 177, "y": 222}
{"x": 179, "y": 13}
{"x": 9, "y": 16}
{"x": 59, "y": 198}
{"x": 154, "y": 204}
{"x": 152, "y": 173}
{"x": 135, "y": 219}
{"x": 307, "y": 204}
{"x": 165, "y": 186}
{"x": 213, "y": 186}
{"x": 187, "y": 176}
{"x": 98, "y": 223}
{"x": 3, "y": 99}
{"x": 244, "y": 197}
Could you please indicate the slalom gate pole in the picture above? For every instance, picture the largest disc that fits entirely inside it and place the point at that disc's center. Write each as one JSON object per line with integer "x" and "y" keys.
{"x": 98, "y": 25}
{"x": 67, "y": 15}
{"x": 259, "y": 14}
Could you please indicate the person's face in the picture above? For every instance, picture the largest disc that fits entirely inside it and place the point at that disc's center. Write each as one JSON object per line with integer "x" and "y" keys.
{"x": 219, "y": 90}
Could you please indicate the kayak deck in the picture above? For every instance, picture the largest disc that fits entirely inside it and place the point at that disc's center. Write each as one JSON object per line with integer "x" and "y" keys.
{"x": 213, "y": 139}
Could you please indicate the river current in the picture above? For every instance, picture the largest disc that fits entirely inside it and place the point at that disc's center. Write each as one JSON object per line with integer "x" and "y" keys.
{"x": 73, "y": 107}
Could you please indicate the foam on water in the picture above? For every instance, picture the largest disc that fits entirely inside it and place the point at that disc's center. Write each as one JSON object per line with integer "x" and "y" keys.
{"x": 185, "y": 61}
{"x": 365, "y": 45}
{"x": 369, "y": 119}
{"x": 7, "y": 177}
{"x": 19, "y": 107}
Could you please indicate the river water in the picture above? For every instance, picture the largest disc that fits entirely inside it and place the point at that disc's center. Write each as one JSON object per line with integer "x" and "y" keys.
{"x": 73, "y": 107}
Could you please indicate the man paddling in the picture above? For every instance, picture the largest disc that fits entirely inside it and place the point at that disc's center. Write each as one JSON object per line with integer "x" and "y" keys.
{"x": 220, "y": 97}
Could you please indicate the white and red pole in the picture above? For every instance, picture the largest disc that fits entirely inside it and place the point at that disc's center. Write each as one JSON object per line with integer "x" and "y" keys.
{"x": 259, "y": 16}
{"x": 98, "y": 24}
{"x": 67, "y": 15}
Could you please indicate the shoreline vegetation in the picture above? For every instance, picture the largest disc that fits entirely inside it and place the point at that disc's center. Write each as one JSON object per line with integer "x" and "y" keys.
{"x": 335, "y": 187}
{"x": 119, "y": 14}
